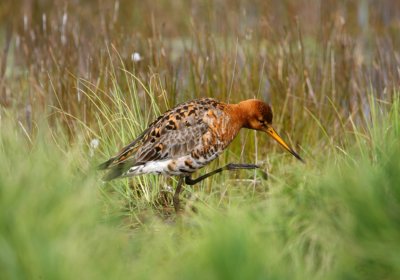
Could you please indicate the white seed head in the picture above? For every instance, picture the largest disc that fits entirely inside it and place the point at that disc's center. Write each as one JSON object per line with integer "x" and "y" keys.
{"x": 94, "y": 143}
{"x": 136, "y": 57}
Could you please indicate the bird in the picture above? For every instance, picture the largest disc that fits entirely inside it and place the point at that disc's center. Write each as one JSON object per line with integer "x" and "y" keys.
{"x": 188, "y": 137}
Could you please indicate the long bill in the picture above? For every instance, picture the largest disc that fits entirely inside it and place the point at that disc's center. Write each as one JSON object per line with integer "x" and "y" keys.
{"x": 271, "y": 131}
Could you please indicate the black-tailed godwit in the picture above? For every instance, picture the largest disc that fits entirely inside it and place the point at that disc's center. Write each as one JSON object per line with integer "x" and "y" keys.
{"x": 188, "y": 137}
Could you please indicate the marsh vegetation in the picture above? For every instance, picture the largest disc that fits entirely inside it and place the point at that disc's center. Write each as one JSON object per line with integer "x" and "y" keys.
{"x": 80, "y": 79}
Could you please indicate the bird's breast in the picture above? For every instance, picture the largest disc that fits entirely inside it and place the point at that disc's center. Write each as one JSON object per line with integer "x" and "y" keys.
{"x": 223, "y": 127}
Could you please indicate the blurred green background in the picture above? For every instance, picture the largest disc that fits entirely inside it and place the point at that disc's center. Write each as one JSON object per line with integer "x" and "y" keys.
{"x": 79, "y": 79}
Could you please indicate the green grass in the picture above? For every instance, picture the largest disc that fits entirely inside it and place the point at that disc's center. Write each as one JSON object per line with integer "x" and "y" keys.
{"x": 330, "y": 71}
{"x": 335, "y": 219}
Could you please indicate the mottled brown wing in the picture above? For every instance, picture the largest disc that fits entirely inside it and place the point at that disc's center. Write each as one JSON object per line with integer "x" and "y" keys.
{"x": 171, "y": 144}
{"x": 173, "y": 134}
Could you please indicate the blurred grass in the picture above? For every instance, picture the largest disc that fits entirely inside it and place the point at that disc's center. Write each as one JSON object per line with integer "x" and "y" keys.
{"x": 68, "y": 78}
{"x": 336, "y": 220}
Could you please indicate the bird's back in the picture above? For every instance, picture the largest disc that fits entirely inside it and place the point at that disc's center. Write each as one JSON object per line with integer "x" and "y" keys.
{"x": 178, "y": 142}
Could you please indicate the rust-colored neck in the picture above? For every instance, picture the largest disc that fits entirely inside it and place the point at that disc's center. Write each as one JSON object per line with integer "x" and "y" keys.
{"x": 237, "y": 115}
{"x": 237, "y": 118}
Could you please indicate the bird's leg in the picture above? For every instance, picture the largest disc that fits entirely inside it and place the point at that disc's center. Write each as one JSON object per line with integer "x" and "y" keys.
{"x": 176, "y": 200}
{"x": 230, "y": 166}
{"x": 190, "y": 181}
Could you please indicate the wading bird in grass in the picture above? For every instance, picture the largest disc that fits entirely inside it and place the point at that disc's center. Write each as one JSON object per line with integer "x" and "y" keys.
{"x": 188, "y": 137}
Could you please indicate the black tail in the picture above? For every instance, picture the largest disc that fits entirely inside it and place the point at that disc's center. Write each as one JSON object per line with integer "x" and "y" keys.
{"x": 115, "y": 172}
{"x": 105, "y": 165}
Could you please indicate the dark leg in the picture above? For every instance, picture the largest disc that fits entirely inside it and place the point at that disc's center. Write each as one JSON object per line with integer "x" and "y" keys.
{"x": 230, "y": 166}
{"x": 176, "y": 200}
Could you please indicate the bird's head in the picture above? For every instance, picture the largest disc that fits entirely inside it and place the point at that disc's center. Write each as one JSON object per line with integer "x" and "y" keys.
{"x": 258, "y": 116}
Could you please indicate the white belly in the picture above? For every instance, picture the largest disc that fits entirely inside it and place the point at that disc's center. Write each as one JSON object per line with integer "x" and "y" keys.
{"x": 170, "y": 167}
